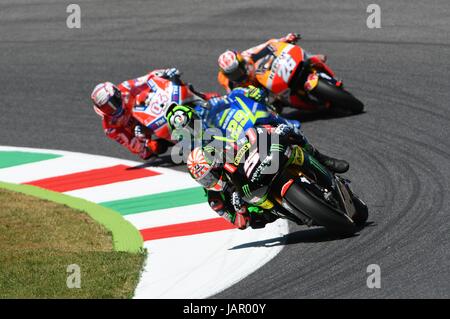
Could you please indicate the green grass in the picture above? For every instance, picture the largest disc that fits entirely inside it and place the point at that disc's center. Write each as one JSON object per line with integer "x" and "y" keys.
{"x": 39, "y": 239}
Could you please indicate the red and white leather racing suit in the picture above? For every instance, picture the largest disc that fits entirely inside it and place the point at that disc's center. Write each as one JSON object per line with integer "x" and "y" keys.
{"x": 121, "y": 128}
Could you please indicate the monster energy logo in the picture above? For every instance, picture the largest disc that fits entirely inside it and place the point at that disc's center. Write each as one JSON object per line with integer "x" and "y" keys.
{"x": 246, "y": 190}
{"x": 209, "y": 149}
{"x": 317, "y": 165}
{"x": 265, "y": 163}
{"x": 276, "y": 148}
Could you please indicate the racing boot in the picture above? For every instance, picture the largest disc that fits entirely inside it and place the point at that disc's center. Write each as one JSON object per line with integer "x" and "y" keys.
{"x": 333, "y": 164}
{"x": 336, "y": 165}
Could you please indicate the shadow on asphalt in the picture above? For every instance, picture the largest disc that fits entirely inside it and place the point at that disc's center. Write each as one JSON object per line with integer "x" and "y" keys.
{"x": 160, "y": 161}
{"x": 303, "y": 116}
{"x": 310, "y": 116}
{"x": 311, "y": 235}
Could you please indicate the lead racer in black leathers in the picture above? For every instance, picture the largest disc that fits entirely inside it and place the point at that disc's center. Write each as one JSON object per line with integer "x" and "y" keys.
{"x": 236, "y": 187}
{"x": 235, "y": 173}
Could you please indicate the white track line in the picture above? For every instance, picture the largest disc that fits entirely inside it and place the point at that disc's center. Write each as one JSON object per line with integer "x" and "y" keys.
{"x": 202, "y": 265}
{"x": 170, "y": 216}
{"x": 195, "y": 266}
{"x": 108, "y": 161}
{"x": 135, "y": 188}
{"x": 48, "y": 168}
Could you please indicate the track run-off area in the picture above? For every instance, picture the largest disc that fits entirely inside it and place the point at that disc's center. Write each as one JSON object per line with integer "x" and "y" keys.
{"x": 192, "y": 252}
{"x": 399, "y": 149}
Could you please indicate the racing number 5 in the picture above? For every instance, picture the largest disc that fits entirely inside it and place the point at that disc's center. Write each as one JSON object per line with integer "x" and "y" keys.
{"x": 251, "y": 162}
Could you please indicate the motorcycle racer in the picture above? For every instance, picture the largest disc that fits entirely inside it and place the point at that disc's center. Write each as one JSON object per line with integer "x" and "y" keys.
{"x": 212, "y": 114}
{"x": 233, "y": 189}
{"x": 240, "y": 68}
{"x": 218, "y": 115}
{"x": 115, "y": 105}
{"x": 225, "y": 195}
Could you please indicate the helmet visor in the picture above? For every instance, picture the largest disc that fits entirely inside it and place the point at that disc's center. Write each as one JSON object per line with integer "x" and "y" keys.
{"x": 209, "y": 180}
{"x": 239, "y": 74}
{"x": 108, "y": 109}
{"x": 205, "y": 172}
{"x": 107, "y": 99}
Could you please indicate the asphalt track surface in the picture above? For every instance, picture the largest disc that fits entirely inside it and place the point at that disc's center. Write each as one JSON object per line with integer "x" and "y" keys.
{"x": 399, "y": 149}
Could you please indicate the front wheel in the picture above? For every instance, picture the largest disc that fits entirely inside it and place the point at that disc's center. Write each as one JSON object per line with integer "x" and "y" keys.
{"x": 362, "y": 212}
{"x": 338, "y": 97}
{"x": 322, "y": 214}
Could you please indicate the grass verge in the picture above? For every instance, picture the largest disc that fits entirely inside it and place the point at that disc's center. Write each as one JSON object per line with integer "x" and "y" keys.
{"x": 39, "y": 239}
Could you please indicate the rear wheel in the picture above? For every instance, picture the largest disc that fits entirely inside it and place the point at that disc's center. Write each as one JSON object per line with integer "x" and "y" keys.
{"x": 321, "y": 213}
{"x": 339, "y": 98}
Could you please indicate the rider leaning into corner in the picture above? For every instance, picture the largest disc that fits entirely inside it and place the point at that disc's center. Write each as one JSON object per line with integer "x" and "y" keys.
{"x": 240, "y": 68}
{"x": 211, "y": 169}
{"x": 216, "y": 107}
{"x": 115, "y": 105}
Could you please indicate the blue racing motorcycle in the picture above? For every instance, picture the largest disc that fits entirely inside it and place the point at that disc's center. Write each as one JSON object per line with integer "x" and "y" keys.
{"x": 232, "y": 115}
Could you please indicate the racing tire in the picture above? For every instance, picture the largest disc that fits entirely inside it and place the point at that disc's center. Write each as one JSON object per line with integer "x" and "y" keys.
{"x": 362, "y": 211}
{"x": 321, "y": 213}
{"x": 338, "y": 97}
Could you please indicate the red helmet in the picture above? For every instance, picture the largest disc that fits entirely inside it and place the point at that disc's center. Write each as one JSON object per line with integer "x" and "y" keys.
{"x": 233, "y": 65}
{"x": 107, "y": 99}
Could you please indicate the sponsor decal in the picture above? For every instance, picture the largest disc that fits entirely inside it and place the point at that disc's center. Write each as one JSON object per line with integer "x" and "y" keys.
{"x": 156, "y": 124}
{"x": 246, "y": 190}
{"x": 257, "y": 174}
{"x": 241, "y": 153}
{"x": 230, "y": 168}
{"x": 152, "y": 85}
{"x": 311, "y": 82}
{"x": 176, "y": 94}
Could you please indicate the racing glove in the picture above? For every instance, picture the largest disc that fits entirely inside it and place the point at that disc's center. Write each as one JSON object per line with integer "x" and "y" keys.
{"x": 242, "y": 219}
{"x": 171, "y": 73}
{"x": 255, "y": 93}
{"x": 236, "y": 201}
{"x": 153, "y": 148}
{"x": 139, "y": 132}
{"x": 217, "y": 204}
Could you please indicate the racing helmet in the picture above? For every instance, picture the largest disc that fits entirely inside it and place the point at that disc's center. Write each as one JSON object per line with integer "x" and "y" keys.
{"x": 181, "y": 116}
{"x": 181, "y": 120}
{"x": 205, "y": 168}
{"x": 107, "y": 99}
{"x": 233, "y": 65}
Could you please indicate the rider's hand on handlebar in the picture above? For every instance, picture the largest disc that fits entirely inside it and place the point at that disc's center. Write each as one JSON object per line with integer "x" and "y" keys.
{"x": 237, "y": 201}
{"x": 171, "y": 73}
{"x": 139, "y": 132}
{"x": 255, "y": 93}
